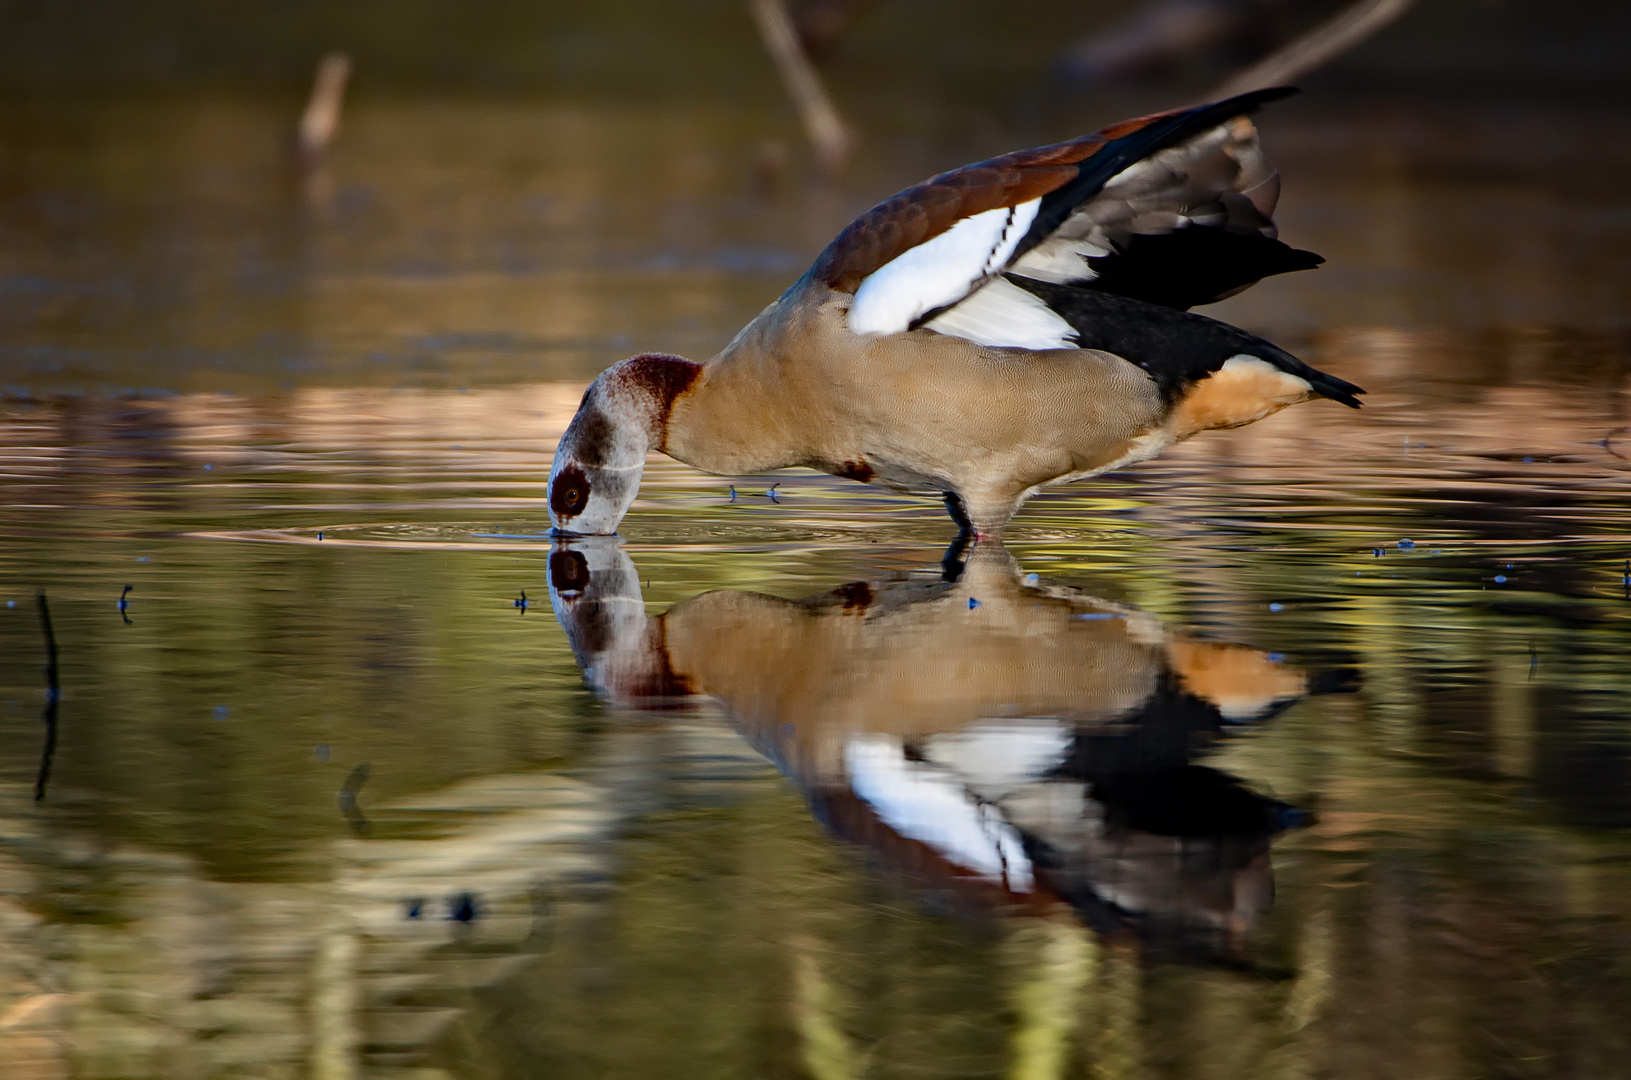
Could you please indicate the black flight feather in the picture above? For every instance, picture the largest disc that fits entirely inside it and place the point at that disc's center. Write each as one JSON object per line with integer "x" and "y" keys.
{"x": 1193, "y": 265}
{"x": 1176, "y": 348}
{"x": 1117, "y": 154}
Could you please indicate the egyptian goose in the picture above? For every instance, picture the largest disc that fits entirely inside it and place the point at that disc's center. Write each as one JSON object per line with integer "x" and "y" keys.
{"x": 1015, "y": 740}
{"x": 1014, "y": 323}
{"x": 907, "y": 657}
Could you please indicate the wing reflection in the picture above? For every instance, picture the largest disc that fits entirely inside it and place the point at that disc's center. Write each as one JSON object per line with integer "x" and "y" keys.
{"x": 1008, "y": 740}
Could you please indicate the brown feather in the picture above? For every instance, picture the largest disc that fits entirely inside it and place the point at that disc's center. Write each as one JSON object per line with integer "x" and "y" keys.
{"x": 926, "y": 210}
{"x": 1236, "y": 396}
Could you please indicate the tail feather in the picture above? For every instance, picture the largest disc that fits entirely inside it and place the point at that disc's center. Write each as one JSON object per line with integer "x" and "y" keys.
{"x": 1176, "y": 348}
{"x": 1328, "y": 386}
{"x": 1336, "y": 389}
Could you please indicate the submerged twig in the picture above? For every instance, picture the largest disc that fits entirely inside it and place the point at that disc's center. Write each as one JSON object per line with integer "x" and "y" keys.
{"x": 829, "y": 136}
{"x": 53, "y": 693}
{"x": 347, "y": 798}
{"x": 1316, "y": 48}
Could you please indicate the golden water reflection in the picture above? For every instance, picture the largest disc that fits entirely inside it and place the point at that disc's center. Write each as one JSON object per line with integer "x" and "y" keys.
{"x": 336, "y": 562}
{"x": 1011, "y": 742}
{"x": 646, "y": 889}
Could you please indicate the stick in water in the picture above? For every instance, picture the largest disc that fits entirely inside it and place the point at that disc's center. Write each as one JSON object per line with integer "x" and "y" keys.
{"x": 53, "y": 692}
{"x": 347, "y": 798}
{"x": 829, "y": 136}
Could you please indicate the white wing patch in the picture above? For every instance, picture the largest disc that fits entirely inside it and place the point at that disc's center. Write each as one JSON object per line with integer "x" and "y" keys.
{"x": 1005, "y": 316}
{"x": 1062, "y": 260}
{"x": 928, "y": 804}
{"x": 1217, "y": 178}
{"x": 940, "y": 271}
{"x": 997, "y": 758}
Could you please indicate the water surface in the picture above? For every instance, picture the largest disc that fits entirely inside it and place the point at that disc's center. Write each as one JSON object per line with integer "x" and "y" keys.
{"x": 1301, "y": 750}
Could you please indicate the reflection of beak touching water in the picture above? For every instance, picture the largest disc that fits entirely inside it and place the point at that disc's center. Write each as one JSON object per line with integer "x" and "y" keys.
{"x": 1024, "y": 744}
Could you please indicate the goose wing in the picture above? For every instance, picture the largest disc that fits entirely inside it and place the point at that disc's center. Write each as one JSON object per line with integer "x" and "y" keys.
{"x": 1173, "y": 210}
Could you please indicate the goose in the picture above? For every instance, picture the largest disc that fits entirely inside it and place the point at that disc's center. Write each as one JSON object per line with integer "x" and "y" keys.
{"x": 1033, "y": 747}
{"x": 1014, "y": 323}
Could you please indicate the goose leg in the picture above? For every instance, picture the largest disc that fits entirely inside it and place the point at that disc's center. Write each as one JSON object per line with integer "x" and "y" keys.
{"x": 981, "y": 517}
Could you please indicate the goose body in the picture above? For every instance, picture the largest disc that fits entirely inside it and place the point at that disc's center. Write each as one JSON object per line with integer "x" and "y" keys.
{"x": 1035, "y": 748}
{"x": 1011, "y": 324}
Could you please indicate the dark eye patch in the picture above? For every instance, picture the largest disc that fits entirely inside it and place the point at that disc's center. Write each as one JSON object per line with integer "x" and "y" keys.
{"x": 568, "y": 571}
{"x": 569, "y": 493}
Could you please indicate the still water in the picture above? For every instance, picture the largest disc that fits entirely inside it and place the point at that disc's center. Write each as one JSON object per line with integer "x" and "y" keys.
{"x": 1303, "y": 750}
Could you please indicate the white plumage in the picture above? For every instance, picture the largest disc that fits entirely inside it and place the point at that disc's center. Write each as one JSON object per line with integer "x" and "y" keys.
{"x": 998, "y": 757}
{"x": 940, "y": 271}
{"x": 1216, "y": 178}
{"x": 931, "y": 805}
{"x": 1003, "y": 315}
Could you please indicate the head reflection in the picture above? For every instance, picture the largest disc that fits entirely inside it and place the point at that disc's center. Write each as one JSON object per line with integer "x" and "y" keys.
{"x": 1005, "y": 739}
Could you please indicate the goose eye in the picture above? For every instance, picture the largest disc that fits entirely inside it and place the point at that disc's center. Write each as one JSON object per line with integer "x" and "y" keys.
{"x": 569, "y": 493}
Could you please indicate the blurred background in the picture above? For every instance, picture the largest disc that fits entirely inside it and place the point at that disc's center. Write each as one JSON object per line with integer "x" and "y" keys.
{"x": 500, "y": 165}
{"x": 323, "y": 792}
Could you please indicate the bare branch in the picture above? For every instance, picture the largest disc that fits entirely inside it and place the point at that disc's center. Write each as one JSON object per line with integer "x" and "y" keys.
{"x": 829, "y": 136}
{"x": 321, "y": 119}
{"x": 53, "y": 696}
{"x": 1316, "y": 48}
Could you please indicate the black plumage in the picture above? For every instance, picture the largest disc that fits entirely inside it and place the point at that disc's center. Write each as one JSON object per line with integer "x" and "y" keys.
{"x": 1176, "y": 348}
{"x": 1193, "y": 265}
{"x": 1144, "y": 140}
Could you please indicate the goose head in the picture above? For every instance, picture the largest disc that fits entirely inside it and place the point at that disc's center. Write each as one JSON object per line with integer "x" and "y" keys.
{"x": 595, "y": 591}
{"x": 601, "y": 457}
{"x": 623, "y": 415}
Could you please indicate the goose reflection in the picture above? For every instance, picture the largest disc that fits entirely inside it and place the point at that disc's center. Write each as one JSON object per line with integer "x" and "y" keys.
{"x": 1011, "y": 741}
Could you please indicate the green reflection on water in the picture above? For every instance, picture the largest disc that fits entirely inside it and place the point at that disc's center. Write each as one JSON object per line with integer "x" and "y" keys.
{"x": 1445, "y": 914}
{"x": 191, "y": 899}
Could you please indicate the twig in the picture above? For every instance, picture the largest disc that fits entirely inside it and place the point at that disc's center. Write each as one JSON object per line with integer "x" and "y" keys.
{"x": 1315, "y": 48}
{"x": 321, "y": 120}
{"x": 347, "y": 798}
{"x": 53, "y": 693}
{"x": 829, "y": 136}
